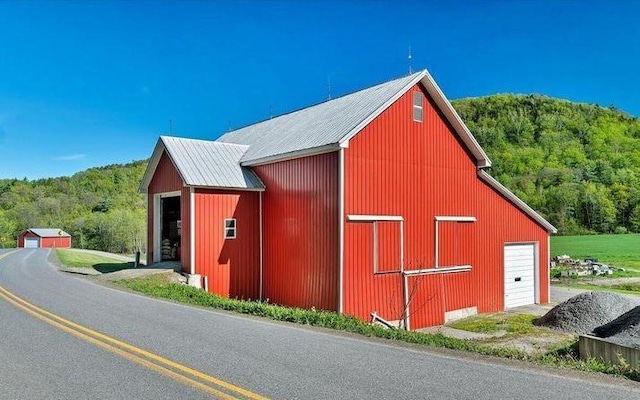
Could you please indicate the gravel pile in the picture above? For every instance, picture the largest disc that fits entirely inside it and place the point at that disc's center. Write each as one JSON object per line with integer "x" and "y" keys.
{"x": 624, "y": 330}
{"x": 587, "y": 311}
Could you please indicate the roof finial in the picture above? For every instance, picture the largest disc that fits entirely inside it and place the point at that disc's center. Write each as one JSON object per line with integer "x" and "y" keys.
{"x": 409, "y": 60}
{"x": 329, "y": 88}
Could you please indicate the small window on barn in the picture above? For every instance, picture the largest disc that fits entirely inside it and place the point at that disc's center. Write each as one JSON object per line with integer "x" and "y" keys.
{"x": 230, "y": 228}
{"x": 418, "y": 99}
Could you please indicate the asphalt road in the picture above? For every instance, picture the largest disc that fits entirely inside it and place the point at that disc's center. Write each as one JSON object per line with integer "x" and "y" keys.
{"x": 272, "y": 359}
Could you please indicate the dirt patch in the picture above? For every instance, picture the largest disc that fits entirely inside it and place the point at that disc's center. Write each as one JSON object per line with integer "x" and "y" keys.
{"x": 541, "y": 342}
{"x": 173, "y": 276}
{"x": 587, "y": 311}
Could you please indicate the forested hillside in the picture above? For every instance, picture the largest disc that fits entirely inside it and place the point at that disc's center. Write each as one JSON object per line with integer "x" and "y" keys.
{"x": 99, "y": 207}
{"x": 576, "y": 164}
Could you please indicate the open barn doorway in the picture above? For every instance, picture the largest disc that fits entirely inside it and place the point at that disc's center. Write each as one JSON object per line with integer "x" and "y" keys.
{"x": 171, "y": 228}
{"x": 168, "y": 227}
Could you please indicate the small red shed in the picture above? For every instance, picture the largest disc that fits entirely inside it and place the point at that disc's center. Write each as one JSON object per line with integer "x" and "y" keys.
{"x": 44, "y": 238}
{"x": 375, "y": 204}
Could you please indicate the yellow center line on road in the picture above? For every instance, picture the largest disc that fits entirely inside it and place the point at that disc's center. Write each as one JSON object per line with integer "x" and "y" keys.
{"x": 166, "y": 367}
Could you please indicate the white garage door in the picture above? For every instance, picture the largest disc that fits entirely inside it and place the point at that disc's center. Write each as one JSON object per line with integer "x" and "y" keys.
{"x": 31, "y": 243}
{"x": 519, "y": 282}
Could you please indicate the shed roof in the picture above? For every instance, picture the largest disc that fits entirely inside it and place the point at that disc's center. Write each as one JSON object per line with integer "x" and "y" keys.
{"x": 49, "y": 232}
{"x": 330, "y": 125}
{"x": 204, "y": 163}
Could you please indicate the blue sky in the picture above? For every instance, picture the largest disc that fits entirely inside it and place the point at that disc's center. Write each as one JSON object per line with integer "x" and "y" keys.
{"x": 92, "y": 83}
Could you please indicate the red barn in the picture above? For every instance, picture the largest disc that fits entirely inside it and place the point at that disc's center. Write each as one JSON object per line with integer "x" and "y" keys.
{"x": 44, "y": 238}
{"x": 372, "y": 204}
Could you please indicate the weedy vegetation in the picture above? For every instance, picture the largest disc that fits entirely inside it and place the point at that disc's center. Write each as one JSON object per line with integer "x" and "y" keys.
{"x": 160, "y": 285}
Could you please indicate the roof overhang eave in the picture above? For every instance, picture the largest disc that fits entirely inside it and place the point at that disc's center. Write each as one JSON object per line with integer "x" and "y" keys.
{"x": 291, "y": 155}
{"x": 151, "y": 166}
{"x": 482, "y": 159}
{"x": 210, "y": 187}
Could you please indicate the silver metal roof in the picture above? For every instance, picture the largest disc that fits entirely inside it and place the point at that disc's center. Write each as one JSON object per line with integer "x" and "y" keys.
{"x": 204, "y": 163}
{"x": 318, "y": 126}
{"x": 49, "y": 232}
{"x": 313, "y": 130}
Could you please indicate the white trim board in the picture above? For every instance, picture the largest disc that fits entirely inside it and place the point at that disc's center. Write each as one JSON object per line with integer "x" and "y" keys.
{"x": 374, "y": 218}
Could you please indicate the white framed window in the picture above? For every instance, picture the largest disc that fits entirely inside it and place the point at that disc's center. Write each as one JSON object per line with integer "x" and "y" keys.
{"x": 418, "y": 101}
{"x": 230, "y": 228}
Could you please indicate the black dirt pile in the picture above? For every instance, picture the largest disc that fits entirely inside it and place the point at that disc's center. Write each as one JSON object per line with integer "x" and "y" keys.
{"x": 587, "y": 311}
{"x": 624, "y": 330}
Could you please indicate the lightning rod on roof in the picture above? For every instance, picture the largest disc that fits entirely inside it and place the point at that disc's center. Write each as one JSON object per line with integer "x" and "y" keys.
{"x": 328, "y": 88}
{"x": 409, "y": 60}
{"x": 170, "y": 126}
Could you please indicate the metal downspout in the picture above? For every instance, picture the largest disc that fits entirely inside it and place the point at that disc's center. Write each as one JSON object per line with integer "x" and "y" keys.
{"x": 341, "y": 233}
{"x": 192, "y": 231}
{"x": 261, "y": 250}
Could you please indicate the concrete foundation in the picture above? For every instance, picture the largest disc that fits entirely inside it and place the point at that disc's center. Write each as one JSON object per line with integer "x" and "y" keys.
{"x": 459, "y": 314}
{"x": 195, "y": 280}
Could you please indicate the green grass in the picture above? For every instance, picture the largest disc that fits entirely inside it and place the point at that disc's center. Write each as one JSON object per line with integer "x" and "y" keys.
{"x": 618, "y": 250}
{"x": 630, "y": 287}
{"x": 159, "y": 286}
{"x": 78, "y": 259}
{"x": 581, "y": 284}
{"x": 491, "y": 323}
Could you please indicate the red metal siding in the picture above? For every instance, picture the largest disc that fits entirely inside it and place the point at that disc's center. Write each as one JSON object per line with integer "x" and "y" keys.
{"x": 396, "y": 166}
{"x": 57, "y": 242}
{"x": 232, "y": 266}
{"x": 166, "y": 179}
{"x": 300, "y": 214}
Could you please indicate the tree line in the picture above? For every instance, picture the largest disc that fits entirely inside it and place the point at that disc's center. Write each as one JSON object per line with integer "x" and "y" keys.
{"x": 99, "y": 207}
{"x": 577, "y": 164}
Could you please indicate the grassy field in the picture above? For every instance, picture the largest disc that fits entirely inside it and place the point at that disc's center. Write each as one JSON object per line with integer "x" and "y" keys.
{"x": 78, "y": 259}
{"x": 618, "y": 250}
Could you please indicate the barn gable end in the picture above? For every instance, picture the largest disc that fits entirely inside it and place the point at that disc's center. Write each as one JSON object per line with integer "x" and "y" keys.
{"x": 194, "y": 190}
{"x": 422, "y": 175}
